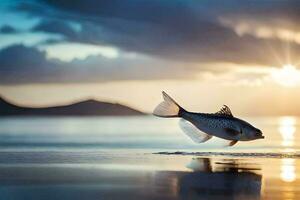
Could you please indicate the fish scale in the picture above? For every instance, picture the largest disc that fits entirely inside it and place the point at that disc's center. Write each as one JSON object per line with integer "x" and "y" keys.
{"x": 202, "y": 126}
{"x": 212, "y": 123}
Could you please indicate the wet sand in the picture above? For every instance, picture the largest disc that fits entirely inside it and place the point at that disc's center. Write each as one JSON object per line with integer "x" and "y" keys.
{"x": 137, "y": 175}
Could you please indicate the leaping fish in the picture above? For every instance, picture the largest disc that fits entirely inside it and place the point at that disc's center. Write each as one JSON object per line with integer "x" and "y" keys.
{"x": 201, "y": 127}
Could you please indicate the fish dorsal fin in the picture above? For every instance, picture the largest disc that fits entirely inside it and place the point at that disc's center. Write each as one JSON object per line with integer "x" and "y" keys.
{"x": 225, "y": 111}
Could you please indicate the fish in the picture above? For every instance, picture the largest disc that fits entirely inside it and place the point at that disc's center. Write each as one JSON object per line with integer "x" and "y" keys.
{"x": 201, "y": 127}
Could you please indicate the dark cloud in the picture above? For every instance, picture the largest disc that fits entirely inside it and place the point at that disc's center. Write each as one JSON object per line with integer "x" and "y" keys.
{"x": 7, "y": 29}
{"x": 174, "y": 39}
{"x": 20, "y": 64}
{"x": 57, "y": 27}
{"x": 178, "y": 11}
{"x": 182, "y": 30}
{"x": 21, "y": 57}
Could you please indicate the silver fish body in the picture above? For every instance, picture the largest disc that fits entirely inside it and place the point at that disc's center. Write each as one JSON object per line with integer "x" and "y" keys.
{"x": 201, "y": 127}
{"x": 222, "y": 126}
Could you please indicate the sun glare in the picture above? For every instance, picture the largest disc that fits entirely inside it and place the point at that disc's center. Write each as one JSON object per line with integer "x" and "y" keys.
{"x": 288, "y": 170}
{"x": 288, "y": 76}
{"x": 287, "y": 129}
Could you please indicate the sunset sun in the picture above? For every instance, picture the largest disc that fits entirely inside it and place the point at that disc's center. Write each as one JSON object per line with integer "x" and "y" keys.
{"x": 287, "y": 76}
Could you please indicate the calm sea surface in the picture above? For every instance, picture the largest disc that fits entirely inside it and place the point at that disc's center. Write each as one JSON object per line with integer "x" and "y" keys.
{"x": 144, "y": 157}
{"x": 144, "y": 133}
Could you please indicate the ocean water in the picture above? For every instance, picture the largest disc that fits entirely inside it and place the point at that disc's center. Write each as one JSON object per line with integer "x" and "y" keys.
{"x": 143, "y": 158}
{"x": 145, "y": 133}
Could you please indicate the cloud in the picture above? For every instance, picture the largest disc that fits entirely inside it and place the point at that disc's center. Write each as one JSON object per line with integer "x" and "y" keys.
{"x": 20, "y": 64}
{"x": 56, "y": 27}
{"x": 26, "y": 57}
{"x": 181, "y": 30}
{"x": 170, "y": 39}
{"x": 7, "y": 29}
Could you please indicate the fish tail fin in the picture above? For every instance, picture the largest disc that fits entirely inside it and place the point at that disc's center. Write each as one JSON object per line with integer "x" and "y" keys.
{"x": 168, "y": 108}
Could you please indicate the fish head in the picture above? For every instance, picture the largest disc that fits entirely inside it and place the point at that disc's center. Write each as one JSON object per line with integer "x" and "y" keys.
{"x": 250, "y": 132}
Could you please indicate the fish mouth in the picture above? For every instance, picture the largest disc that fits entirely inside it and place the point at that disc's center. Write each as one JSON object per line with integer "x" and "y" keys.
{"x": 259, "y": 135}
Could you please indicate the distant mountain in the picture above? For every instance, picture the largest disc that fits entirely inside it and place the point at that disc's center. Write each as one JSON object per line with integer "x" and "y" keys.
{"x": 83, "y": 108}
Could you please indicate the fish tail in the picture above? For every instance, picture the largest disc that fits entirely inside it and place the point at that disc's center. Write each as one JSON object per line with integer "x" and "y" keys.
{"x": 168, "y": 108}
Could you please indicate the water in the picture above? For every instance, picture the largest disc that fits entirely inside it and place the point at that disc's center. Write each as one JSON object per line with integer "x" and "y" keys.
{"x": 143, "y": 158}
{"x": 144, "y": 133}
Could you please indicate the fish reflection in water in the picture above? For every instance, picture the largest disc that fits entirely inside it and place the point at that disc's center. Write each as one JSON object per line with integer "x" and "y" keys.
{"x": 220, "y": 180}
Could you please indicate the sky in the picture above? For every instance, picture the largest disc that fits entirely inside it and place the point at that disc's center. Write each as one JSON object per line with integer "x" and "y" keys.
{"x": 207, "y": 53}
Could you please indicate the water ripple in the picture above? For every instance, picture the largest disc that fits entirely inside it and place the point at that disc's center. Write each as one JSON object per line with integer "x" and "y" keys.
{"x": 235, "y": 154}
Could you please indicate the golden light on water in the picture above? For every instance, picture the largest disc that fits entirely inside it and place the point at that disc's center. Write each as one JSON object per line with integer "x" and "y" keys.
{"x": 287, "y": 76}
{"x": 288, "y": 170}
{"x": 287, "y": 129}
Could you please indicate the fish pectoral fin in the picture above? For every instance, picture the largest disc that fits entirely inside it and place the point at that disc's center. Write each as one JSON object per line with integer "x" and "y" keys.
{"x": 230, "y": 143}
{"x": 233, "y": 142}
{"x": 232, "y": 132}
{"x": 193, "y": 132}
